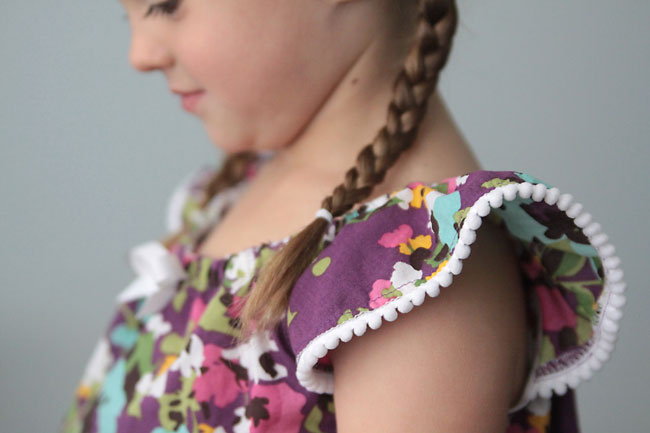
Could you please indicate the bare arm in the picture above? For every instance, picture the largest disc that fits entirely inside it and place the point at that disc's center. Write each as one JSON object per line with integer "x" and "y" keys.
{"x": 454, "y": 364}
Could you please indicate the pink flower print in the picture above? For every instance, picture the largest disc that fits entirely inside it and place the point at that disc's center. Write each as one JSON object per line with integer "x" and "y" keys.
{"x": 216, "y": 381}
{"x": 556, "y": 313}
{"x": 277, "y": 399}
{"x": 400, "y": 235}
{"x": 198, "y": 307}
{"x": 413, "y": 185}
{"x": 376, "y": 298}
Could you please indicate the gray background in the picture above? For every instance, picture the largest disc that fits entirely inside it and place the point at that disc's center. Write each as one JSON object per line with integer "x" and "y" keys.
{"x": 90, "y": 151}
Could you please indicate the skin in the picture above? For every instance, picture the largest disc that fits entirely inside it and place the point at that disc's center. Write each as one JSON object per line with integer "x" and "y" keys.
{"x": 311, "y": 80}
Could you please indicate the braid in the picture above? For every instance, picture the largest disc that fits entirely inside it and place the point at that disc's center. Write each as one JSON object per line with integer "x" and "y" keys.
{"x": 232, "y": 171}
{"x": 265, "y": 306}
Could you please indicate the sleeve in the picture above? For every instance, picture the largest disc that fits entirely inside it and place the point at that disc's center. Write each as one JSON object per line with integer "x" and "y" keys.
{"x": 388, "y": 257}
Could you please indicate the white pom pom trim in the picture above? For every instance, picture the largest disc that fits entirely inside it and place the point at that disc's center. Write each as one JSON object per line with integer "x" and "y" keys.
{"x": 610, "y": 301}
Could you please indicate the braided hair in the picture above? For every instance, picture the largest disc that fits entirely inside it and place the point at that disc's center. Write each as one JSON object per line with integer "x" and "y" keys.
{"x": 264, "y": 307}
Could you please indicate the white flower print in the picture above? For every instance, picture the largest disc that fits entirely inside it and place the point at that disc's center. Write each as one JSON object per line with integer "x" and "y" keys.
{"x": 186, "y": 362}
{"x": 99, "y": 361}
{"x": 244, "y": 424}
{"x": 405, "y": 196}
{"x": 460, "y": 180}
{"x": 429, "y": 201}
{"x": 404, "y": 273}
{"x": 240, "y": 270}
{"x": 157, "y": 325}
{"x": 147, "y": 385}
{"x": 250, "y": 353}
{"x": 377, "y": 202}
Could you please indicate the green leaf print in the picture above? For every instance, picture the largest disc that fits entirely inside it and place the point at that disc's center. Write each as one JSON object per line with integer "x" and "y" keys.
{"x": 215, "y": 318}
{"x": 584, "y": 330}
{"x": 547, "y": 351}
{"x": 200, "y": 279}
{"x": 571, "y": 263}
{"x": 431, "y": 261}
{"x": 141, "y": 355}
{"x": 460, "y": 215}
{"x": 134, "y": 408}
{"x": 391, "y": 292}
{"x": 584, "y": 296}
{"x": 172, "y": 344}
{"x": 129, "y": 317}
{"x": 493, "y": 183}
{"x": 179, "y": 299}
{"x": 347, "y": 315}
{"x": 174, "y": 406}
{"x": 321, "y": 266}
{"x": 313, "y": 420}
{"x": 290, "y": 315}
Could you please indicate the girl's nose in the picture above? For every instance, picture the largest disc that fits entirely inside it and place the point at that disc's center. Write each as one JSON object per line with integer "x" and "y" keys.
{"x": 147, "y": 54}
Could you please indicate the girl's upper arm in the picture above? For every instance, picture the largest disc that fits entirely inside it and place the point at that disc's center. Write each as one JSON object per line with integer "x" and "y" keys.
{"x": 454, "y": 364}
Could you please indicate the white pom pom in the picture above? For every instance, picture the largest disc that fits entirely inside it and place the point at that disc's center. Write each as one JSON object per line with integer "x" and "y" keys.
{"x": 495, "y": 197}
{"x": 418, "y": 297}
{"x": 360, "y": 328}
{"x": 592, "y": 229}
{"x": 574, "y": 210}
{"x": 539, "y": 192}
{"x": 482, "y": 207}
{"x": 390, "y": 314}
{"x": 461, "y": 250}
{"x": 473, "y": 221}
{"x": 564, "y": 201}
{"x": 374, "y": 320}
{"x": 467, "y": 235}
{"x": 552, "y": 196}
{"x": 404, "y": 305}
{"x": 444, "y": 278}
{"x": 525, "y": 189}
{"x": 455, "y": 266}
{"x": 432, "y": 288}
{"x": 510, "y": 191}
{"x": 583, "y": 219}
{"x": 331, "y": 341}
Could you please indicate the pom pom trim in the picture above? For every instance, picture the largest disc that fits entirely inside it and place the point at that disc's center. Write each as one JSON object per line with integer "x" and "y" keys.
{"x": 610, "y": 302}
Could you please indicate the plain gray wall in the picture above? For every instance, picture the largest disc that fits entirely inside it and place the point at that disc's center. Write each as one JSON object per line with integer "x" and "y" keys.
{"x": 90, "y": 151}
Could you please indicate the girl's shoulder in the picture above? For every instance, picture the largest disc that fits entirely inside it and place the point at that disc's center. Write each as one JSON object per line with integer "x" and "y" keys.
{"x": 383, "y": 258}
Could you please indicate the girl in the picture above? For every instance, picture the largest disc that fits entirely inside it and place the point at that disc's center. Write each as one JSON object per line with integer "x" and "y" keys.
{"x": 332, "y": 214}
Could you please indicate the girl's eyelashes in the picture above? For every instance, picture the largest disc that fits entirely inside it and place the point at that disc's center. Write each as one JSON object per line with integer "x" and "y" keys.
{"x": 166, "y": 8}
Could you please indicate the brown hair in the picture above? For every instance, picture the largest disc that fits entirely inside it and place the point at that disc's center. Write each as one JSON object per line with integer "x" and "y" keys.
{"x": 264, "y": 307}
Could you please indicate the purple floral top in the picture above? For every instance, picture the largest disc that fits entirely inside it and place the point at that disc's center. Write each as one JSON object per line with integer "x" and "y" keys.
{"x": 168, "y": 363}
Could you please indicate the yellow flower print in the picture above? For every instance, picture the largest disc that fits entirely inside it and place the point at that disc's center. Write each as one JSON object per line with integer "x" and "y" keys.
{"x": 413, "y": 244}
{"x": 169, "y": 360}
{"x": 539, "y": 422}
{"x": 419, "y": 192}
{"x": 440, "y": 266}
{"x": 83, "y": 391}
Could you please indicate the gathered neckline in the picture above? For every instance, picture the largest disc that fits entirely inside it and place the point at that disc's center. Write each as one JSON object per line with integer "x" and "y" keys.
{"x": 187, "y": 250}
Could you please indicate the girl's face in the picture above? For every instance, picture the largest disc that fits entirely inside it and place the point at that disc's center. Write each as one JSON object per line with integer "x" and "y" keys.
{"x": 262, "y": 67}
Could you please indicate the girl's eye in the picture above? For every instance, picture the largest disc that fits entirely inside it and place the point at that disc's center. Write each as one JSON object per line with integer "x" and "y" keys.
{"x": 166, "y": 8}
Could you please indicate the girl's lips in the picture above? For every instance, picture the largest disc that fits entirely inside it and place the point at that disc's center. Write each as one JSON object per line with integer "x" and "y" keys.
{"x": 191, "y": 100}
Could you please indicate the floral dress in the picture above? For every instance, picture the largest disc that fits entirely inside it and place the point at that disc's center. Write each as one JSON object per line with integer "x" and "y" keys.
{"x": 168, "y": 362}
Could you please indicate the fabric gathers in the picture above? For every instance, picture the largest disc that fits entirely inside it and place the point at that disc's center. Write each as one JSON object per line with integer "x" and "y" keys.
{"x": 168, "y": 361}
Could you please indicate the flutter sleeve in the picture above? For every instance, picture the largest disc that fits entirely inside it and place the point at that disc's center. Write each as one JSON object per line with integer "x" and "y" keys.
{"x": 392, "y": 252}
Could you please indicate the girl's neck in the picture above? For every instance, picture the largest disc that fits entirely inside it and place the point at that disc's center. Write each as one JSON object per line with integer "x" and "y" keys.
{"x": 351, "y": 116}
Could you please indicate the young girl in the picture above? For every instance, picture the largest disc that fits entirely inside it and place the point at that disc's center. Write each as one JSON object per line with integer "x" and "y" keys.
{"x": 321, "y": 280}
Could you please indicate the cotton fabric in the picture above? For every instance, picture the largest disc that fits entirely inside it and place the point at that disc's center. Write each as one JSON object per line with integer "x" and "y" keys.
{"x": 177, "y": 368}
